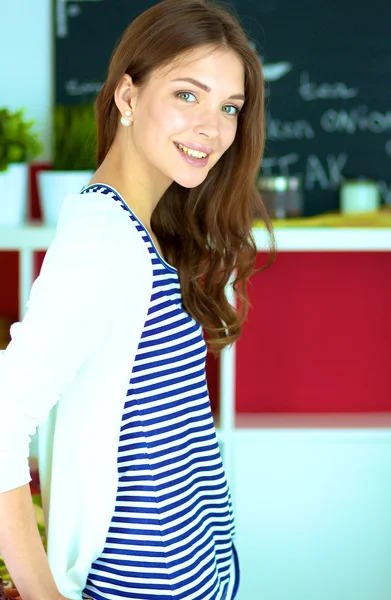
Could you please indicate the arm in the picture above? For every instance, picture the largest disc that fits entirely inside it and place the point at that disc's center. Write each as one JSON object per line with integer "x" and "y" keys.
{"x": 22, "y": 548}
{"x": 69, "y": 312}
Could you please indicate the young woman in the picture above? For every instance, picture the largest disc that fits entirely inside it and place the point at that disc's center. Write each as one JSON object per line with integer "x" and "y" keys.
{"x": 109, "y": 360}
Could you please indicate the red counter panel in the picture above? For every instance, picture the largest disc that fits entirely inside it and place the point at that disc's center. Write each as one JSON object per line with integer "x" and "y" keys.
{"x": 318, "y": 338}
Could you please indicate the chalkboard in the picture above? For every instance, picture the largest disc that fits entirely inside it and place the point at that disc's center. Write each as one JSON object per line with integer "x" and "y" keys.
{"x": 327, "y": 67}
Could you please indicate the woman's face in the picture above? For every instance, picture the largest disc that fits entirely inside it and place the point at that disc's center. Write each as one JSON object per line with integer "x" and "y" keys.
{"x": 170, "y": 111}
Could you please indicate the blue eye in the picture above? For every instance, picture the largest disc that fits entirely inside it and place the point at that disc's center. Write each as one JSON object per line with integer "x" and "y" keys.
{"x": 233, "y": 114}
{"x": 184, "y": 93}
{"x": 235, "y": 107}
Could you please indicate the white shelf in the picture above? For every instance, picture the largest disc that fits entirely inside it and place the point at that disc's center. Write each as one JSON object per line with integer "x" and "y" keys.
{"x": 314, "y": 239}
{"x": 38, "y": 237}
{"x": 295, "y": 425}
{"x": 311, "y": 421}
{"x": 29, "y": 237}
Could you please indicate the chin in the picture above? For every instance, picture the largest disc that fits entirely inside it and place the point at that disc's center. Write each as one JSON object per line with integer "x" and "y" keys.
{"x": 190, "y": 182}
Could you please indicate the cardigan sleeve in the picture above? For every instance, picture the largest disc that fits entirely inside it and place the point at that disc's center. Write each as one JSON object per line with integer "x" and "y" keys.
{"x": 69, "y": 312}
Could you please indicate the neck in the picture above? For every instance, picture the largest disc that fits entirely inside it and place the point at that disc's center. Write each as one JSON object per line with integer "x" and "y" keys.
{"x": 139, "y": 183}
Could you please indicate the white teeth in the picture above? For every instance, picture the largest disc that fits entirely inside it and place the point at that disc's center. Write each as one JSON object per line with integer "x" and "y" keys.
{"x": 195, "y": 153}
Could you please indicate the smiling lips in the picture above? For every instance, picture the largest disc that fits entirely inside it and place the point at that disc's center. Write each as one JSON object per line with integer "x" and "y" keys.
{"x": 189, "y": 146}
{"x": 194, "y": 157}
{"x": 190, "y": 152}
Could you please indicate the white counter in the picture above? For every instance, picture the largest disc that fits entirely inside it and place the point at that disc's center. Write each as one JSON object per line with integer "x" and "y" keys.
{"x": 38, "y": 237}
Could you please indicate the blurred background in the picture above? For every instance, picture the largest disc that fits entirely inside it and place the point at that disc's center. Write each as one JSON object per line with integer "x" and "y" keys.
{"x": 302, "y": 402}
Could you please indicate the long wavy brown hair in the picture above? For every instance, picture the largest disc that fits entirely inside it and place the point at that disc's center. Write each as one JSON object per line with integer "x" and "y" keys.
{"x": 206, "y": 231}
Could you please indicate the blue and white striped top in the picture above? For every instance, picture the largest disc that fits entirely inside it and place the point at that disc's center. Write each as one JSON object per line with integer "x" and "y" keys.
{"x": 171, "y": 534}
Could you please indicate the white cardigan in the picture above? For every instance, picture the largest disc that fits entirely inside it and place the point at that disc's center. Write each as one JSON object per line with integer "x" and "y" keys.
{"x": 76, "y": 344}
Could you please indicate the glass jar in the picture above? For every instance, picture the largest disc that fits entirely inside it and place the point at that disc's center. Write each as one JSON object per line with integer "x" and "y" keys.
{"x": 282, "y": 196}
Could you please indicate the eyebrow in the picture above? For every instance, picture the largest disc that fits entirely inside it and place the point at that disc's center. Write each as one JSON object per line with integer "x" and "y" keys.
{"x": 206, "y": 88}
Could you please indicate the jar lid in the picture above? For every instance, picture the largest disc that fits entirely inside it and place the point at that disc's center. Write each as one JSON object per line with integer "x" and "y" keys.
{"x": 359, "y": 182}
{"x": 275, "y": 184}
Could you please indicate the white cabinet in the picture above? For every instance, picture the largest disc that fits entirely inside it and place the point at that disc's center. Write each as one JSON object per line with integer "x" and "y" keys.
{"x": 313, "y": 512}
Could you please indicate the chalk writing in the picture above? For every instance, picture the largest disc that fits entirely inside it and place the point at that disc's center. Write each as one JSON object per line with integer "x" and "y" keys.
{"x": 65, "y": 9}
{"x": 328, "y": 177}
{"x": 328, "y": 110}
{"x": 80, "y": 88}
{"x": 285, "y": 130}
{"x": 309, "y": 90}
{"x": 356, "y": 119}
{"x": 280, "y": 162}
{"x": 385, "y": 191}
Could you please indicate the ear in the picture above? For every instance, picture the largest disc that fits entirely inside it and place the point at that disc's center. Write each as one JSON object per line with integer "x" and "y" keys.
{"x": 125, "y": 93}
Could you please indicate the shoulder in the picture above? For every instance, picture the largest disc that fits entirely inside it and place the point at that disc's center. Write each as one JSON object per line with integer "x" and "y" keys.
{"x": 95, "y": 233}
{"x": 99, "y": 217}
{"x": 94, "y": 212}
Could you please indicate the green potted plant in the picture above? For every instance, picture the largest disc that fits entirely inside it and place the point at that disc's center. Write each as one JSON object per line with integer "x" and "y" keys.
{"x": 73, "y": 160}
{"x": 19, "y": 145}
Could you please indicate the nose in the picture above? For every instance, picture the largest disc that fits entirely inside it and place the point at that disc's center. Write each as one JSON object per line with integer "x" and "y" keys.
{"x": 207, "y": 125}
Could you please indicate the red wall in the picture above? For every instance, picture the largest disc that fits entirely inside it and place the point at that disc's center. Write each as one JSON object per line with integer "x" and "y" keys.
{"x": 318, "y": 338}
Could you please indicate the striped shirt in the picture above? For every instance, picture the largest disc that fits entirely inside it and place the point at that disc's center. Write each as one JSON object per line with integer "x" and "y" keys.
{"x": 171, "y": 534}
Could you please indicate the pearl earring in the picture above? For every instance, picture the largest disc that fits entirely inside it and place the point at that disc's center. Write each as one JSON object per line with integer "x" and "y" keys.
{"x": 127, "y": 122}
